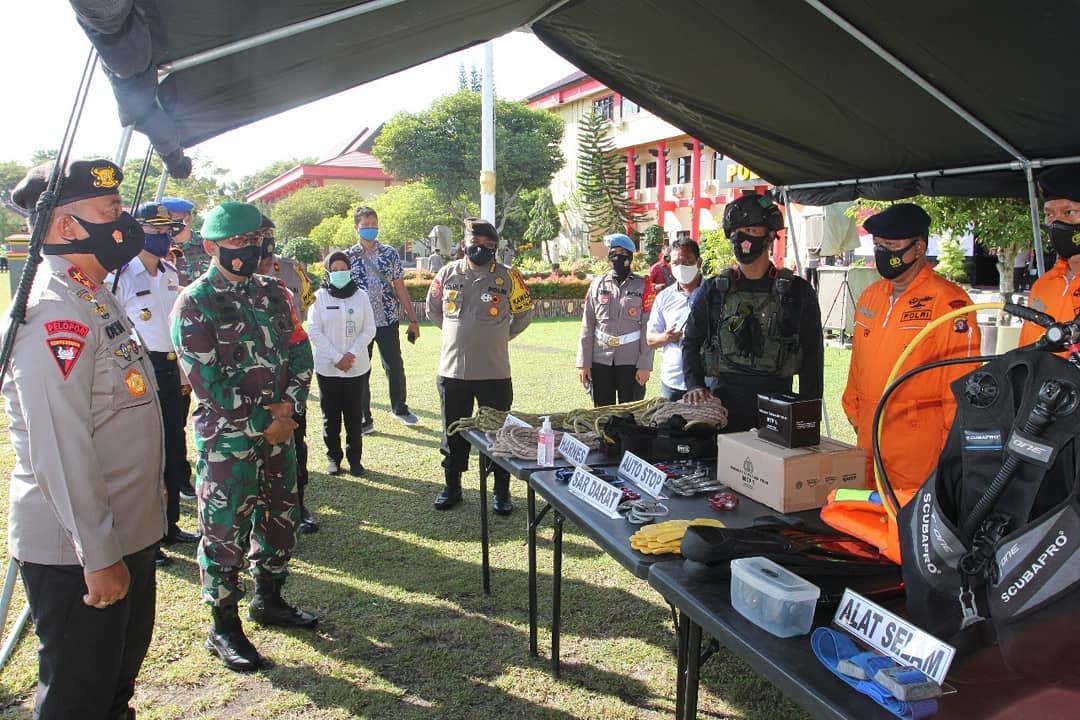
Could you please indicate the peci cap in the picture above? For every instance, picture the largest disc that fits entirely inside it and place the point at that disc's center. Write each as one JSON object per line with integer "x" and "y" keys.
{"x": 621, "y": 241}
{"x": 1061, "y": 183}
{"x": 479, "y": 227}
{"x": 899, "y": 222}
{"x": 230, "y": 219}
{"x": 84, "y": 179}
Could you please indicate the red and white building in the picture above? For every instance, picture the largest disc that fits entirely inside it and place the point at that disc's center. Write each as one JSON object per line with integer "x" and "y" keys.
{"x": 352, "y": 165}
{"x": 679, "y": 182}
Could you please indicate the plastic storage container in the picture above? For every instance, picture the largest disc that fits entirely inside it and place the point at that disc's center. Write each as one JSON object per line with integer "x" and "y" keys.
{"x": 774, "y": 599}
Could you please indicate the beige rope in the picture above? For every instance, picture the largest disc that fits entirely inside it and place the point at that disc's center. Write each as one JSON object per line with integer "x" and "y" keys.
{"x": 520, "y": 442}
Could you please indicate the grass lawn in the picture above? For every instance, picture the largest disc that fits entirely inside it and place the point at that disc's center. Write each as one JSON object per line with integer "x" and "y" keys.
{"x": 406, "y": 630}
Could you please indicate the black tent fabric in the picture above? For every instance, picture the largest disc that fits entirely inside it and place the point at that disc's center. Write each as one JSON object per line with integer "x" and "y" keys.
{"x": 778, "y": 86}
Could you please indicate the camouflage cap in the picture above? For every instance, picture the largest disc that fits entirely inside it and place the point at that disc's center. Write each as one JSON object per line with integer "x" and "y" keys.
{"x": 230, "y": 219}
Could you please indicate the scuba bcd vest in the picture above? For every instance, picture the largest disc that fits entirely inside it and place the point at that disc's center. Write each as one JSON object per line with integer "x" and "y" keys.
{"x": 752, "y": 333}
{"x": 989, "y": 542}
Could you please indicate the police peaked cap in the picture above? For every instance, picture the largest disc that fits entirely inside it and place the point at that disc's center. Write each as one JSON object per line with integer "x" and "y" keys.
{"x": 84, "y": 179}
{"x": 899, "y": 222}
{"x": 1061, "y": 182}
{"x": 230, "y": 219}
{"x": 479, "y": 227}
{"x": 152, "y": 213}
{"x": 750, "y": 210}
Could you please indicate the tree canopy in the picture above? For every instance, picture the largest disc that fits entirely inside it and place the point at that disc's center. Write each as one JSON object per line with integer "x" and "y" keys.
{"x": 296, "y": 215}
{"x": 602, "y": 179}
{"x": 408, "y": 212}
{"x": 441, "y": 146}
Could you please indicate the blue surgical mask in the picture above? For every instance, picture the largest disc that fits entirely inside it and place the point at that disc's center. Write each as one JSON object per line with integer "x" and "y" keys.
{"x": 368, "y": 233}
{"x": 340, "y": 278}
{"x": 157, "y": 245}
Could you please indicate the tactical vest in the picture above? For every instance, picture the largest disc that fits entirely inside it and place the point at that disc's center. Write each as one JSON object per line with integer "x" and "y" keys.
{"x": 752, "y": 333}
{"x": 1010, "y": 574}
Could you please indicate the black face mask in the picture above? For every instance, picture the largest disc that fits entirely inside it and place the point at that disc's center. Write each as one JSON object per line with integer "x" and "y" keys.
{"x": 479, "y": 254}
{"x": 240, "y": 261}
{"x": 114, "y": 244}
{"x": 620, "y": 265}
{"x": 1064, "y": 237}
{"x": 748, "y": 248}
{"x": 890, "y": 263}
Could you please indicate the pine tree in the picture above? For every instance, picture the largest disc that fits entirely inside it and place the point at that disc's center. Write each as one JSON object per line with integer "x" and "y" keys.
{"x": 544, "y": 224}
{"x": 601, "y": 180}
{"x": 950, "y": 260}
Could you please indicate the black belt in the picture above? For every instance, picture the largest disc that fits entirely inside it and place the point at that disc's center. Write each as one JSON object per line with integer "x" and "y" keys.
{"x": 156, "y": 355}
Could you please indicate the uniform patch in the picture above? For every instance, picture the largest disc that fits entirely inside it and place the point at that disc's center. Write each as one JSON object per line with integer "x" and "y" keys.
{"x": 1037, "y": 303}
{"x": 915, "y": 315}
{"x": 237, "y": 265}
{"x": 493, "y": 311}
{"x": 495, "y": 299}
{"x": 632, "y": 311}
{"x": 451, "y": 307}
{"x": 863, "y": 310}
{"x": 78, "y": 276}
{"x": 145, "y": 314}
{"x": 104, "y": 177}
{"x": 486, "y": 297}
{"x": 66, "y": 352}
{"x": 919, "y": 303}
{"x": 499, "y": 281}
{"x": 435, "y": 290}
{"x": 136, "y": 383}
{"x": 957, "y": 304}
{"x": 127, "y": 350}
{"x": 452, "y": 294}
{"x": 647, "y": 299}
{"x": 55, "y": 327}
{"x": 605, "y": 299}
{"x": 520, "y": 299}
{"x": 960, "y": 325}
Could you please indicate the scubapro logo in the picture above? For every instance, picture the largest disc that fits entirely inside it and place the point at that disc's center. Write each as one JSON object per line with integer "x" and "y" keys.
{"x": 1056, "y": 546}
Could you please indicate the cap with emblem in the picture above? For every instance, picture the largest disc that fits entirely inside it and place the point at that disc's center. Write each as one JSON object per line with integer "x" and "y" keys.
{"x": 478, "y": 227}
{"x": 618, "y": 240}
{"x": 1061, "y": 183}
{"x": 155, "y": 214}
{"x": 84, "y": 179}
{"x": 898, "y": 222}
{"x": 230, "y": 219}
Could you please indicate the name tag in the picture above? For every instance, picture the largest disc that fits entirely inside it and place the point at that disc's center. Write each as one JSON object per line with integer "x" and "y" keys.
{"x": 512, "y": 421}
{"x": 894, "y": 636}
{"x": 573, "y": 450}
{"x": 333, "y": 307}
{"x": 643, "y": 474}
{"x": 595, "y": 492}
{"x": 140, "y": 293}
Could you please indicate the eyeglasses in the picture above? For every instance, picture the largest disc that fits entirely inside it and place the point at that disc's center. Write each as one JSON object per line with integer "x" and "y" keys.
{"x": 239, "y": 241}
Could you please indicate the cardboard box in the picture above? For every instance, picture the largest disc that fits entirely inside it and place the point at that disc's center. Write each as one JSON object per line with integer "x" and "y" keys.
{"x": 787, "y": 479}
{"x": 786, "y": 420}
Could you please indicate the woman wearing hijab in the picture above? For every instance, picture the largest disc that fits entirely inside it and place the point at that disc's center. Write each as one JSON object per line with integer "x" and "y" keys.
{"x": 340, "y": 325}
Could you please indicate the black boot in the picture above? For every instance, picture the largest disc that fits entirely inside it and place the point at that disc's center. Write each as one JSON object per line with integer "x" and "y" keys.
{"x": 269, "y": 608}
{"x": 451, "y": 492}
{"x": 228, "y": 642}
{"x": 307, "y": 520}
{"x": 500, "y": 499}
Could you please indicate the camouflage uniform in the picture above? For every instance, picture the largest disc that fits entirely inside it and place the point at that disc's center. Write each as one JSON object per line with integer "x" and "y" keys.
{"x": 242, "y": 347}
{"x": 195, "y": 261}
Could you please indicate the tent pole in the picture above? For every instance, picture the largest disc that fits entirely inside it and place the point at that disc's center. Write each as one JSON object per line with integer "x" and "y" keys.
{"x": 1033, "y": 206}
{"x": 791, "y": 233}
{"x": 914, "y": 77}
{"x": 122, "y": 147}
{"x": 161, "y": 185}
{"x": 273, "y": 35}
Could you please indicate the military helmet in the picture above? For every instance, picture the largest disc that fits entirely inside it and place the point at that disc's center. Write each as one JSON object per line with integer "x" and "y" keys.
{"x": 752, "y": 210}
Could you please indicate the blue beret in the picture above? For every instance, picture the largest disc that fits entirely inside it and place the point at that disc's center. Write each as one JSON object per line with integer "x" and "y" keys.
{"x": 620, "y": 240}
{"x": 177, "y": 205}
{"x": 1061, "y": 182}
{"x": 230, "y": 219}
{"x": 898, "y": 222}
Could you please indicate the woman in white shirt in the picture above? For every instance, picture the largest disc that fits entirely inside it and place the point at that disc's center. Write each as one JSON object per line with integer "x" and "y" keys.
{"x": 340, "y": 325}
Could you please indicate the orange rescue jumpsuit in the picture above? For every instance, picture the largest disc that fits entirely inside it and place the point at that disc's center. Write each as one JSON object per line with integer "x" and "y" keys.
{"x": 1055, "y": 295}
{"x": 918, "y": 415}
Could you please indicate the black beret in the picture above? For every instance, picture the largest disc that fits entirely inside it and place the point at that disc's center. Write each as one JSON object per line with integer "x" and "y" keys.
{"x": 84, "y": 179}
{"x": 1061, "y": 182}
{"x": 480, "y": 228}
{"x": 899, "y": 222}
{"x": 267, "y": 223}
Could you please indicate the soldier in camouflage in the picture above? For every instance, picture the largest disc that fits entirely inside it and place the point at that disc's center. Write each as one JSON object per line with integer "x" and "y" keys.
{"x": 249, "y": 363}
{"x": 194, "y": 260}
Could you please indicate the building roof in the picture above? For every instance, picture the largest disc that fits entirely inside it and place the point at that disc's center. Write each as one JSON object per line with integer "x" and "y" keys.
{"x": 570, "y": 79}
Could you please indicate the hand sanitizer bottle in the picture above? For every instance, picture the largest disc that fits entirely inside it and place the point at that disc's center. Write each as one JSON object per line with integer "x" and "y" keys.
{"x": 545, "y": 444}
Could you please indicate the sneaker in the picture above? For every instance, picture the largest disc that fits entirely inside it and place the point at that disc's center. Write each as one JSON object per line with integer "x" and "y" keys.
{"x": 408, "y": 418}
{"x": 367, "y": 428}
{"x": 333, "y": 467}
{"x": 161, "y": 559}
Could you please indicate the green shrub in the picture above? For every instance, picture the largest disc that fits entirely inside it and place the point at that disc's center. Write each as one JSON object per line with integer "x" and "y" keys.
{"x": 950, "y": 261}
{"x": 716, "y": 252}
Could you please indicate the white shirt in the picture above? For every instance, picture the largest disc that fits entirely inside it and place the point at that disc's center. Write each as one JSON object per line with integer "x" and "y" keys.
{"x": 337, "y": 326}
{"x": 671, "y": 307}
{"x": 147, "y": 300}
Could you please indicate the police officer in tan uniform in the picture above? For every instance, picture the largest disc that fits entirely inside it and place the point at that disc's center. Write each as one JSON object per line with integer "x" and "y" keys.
{"x": 87, "y": 500}
{"x": 614, "y": 358}
{"x": 481, "y": 306}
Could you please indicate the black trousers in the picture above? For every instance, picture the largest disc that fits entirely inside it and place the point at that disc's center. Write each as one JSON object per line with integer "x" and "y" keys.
{"x": 389, "y": 341}
{"x": 300, "y": 440}
{"x": 174, "y": 407}
{"x": 341, "y": 399}
{"x": 88, "y": 658}
{"x": 456, "y": 401}
{"x": 611, "y": 381}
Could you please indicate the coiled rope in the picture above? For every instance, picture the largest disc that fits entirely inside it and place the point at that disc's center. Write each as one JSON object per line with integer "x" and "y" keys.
{"x": 520, "y": 442}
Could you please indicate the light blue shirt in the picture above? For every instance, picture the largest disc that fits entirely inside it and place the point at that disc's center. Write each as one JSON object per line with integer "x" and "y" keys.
{"x": 671, "y": 307}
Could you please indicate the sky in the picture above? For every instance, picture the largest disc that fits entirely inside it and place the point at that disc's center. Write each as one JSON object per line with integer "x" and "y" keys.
{"x": 39, "y": 100}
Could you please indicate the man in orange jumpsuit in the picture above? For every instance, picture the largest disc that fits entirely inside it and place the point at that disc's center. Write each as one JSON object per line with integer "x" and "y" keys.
{"x": 888, "y": 315}
{"x": 1057, "y": 292}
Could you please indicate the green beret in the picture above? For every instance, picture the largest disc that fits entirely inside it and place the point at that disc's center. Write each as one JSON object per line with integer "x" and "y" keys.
{"x": 230, "y": 219}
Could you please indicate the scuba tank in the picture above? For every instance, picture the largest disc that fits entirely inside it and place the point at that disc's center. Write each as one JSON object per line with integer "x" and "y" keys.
{"x": 989, "y": 542}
